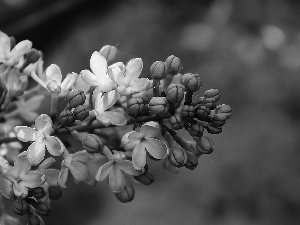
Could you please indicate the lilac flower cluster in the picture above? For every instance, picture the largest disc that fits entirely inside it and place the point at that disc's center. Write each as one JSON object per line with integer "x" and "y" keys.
{"x": 154, "y": 110}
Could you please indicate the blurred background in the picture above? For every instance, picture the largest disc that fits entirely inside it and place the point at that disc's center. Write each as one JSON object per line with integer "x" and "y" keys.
{"x": 248, "y": 49}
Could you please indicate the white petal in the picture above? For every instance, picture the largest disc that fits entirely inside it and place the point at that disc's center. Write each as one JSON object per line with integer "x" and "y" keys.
{"x": 133, "y": 70}
{"x": 90, "y": 78}
{"x": 53, "y": 72}
{"x": 98, "y": 65}
{"x": 104, "y": 171}
{"x": 24, "y": 133}
{"x": 68, "y": 81}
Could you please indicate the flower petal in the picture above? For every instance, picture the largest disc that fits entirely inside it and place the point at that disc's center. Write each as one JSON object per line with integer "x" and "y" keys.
{"x": 54, "y": 146}
{"x": 156, "y": 148}
{"x": 115, "y": 118}
{"x": 5, "y": 187}
{"x": 133, "y": 70}
{"x": 36, "y": 152}
{"x": 139, "y": 156}
{"x": 104, "y": 171}
{"x": 20, "y": 49}
{"x": 116, "y": 180}
{"x": 129, "y": 144}
{"x": 62, "y": 177}
{"x": 80, "y": 84}
{"x": 24, "y": 133}
{"x": 33, "y": 179}
{"x": 127, "y": 167}
{"x": 98, "y": 65}
{"x": 68, "y": 82}
{"x": 52, "y": 176}
{"x": 83, "y": 156}
{"x": 79, "y": 171}
{"x": 90, "y": 78}
{"x": 42, "y": 121}
{"x": 53, "y": 72}
{"x": 21, "y": 166}
{"x": 4, "y": 45}
{"x": 150, "y": 131}
{"x": 139, "y": 85}
{"x": 46, "y": 163}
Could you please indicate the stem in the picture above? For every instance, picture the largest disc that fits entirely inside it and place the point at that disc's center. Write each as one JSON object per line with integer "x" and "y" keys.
{"x": 54, "y": 103}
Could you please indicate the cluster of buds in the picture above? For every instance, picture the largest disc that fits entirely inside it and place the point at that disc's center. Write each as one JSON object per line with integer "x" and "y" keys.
{"x": 36, "y": 204}
{"x": 75, "y": 110}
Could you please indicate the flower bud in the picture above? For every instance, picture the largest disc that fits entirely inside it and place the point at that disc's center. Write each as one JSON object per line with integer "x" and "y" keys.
{"x": 213, "y": 130}
{"x": 176, "y": 122}
{"x": 195, "y": 129}
{"x": 202, "y": 112}
{"x": 109, "y": 52}
{"x": 224, "y": 110}
{"x": 37, "y": 192}
{"x": 80, "y": 113}
{"x": 92, "y": 143}
{"x": 188, "y": 111}
{"x": 33, "y": 219}
{"x": 55, "y": 192}
{"x": 173, "y": 65}
{"x": 168, "y": 166}
{"x": 191, "y": 81}
{"x": 158, "y": 70}
{"x": 32, "y": 56}
{"x": 42, "y": 208}
{"x": 135, "y": 106}
{"x": 159, "y": 105}
{"x": 218, "y": 120}
{"x": 178, "y": 156}
{"x": 127, "y": 193}
{"x": 20, "y": 206}
{"x": 209, "y": 103}
{"x": 147, "y": 178}
{"x": 213, "y": 93}
{"x": 66, "y": 118}
{"x": 192, "y": 161}
{"x": 205, "y": 145}
{"x": 75, "y": 98}
{"x": 175, "y": 93}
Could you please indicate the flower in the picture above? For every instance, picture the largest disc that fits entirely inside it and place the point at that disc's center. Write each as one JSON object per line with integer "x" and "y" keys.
{"x": 11, "y": 150}
{"x": 16, "y": 83}
{"x": 113, "y": 169}
{"x": 10, "y": 56}
{"x": 52, "y": 81}
{"x": 127, "y": 77}
{"x": 105, "y": 101}
{"x": 74, "y": 164}
{"x": 41, "y": 138}
{"x": 20, "y": 177}
{"x": 99, "y": 77}
{"x": 147, "y": 139}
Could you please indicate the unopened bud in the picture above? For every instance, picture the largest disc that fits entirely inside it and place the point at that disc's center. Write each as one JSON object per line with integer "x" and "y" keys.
{"x": 213, "y": 93}
{"x": 218, "y": 120}
{"x": 80, "y": 113}
{"x": 192, "y": 161}
{"x": 135, "y": 106}
{"x": 32, "y": 56}
{"x": 43, "y": 208}
{"x": 175, "y": 93}
{"x": 176, "y": 122}
{"x": 224, "y": 110}
{"x": 205, "y": 145}
{"x": 75, "y": 98}
{"x": 173, "y": 65}
{"x": 195, "y": 129}
{"x": 191, "y": 81}
{"x": 202, "y": 112}
{"x": 159, "y": 105}
{"x": 90, "y": 142}
{"x": 127, "y": 193}
{"x": 37, "y": 192}
{"x": 33, "y": 219}
{"x": 158, "y": 70}
{"x": 209, "y": 103}
{"x": 20, "y": 206}
{"x": 178, "y": 156}
{"x": 213, "y": 130}
{"x": 188, "y": 111}
{"x": 147, "y": 178}
{"x": 109, "y": 52}
{"x": 55, "y": 192}
{"x": 66, "y": 118}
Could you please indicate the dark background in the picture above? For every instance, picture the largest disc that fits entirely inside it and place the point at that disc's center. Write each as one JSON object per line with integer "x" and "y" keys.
{"x": 248, "y": 49}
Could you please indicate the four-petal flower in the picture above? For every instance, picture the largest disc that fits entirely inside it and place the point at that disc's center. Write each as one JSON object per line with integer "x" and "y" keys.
{"x": 41, "y": 138}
